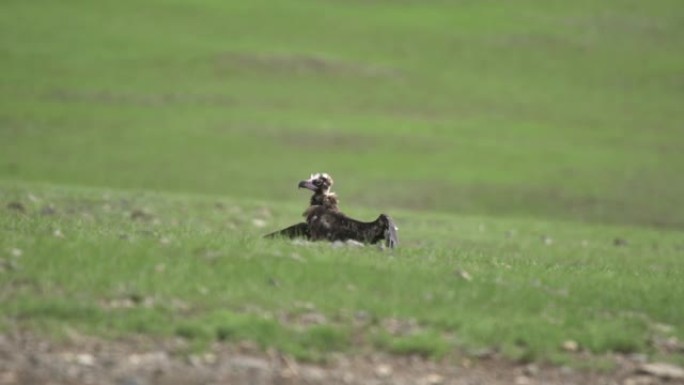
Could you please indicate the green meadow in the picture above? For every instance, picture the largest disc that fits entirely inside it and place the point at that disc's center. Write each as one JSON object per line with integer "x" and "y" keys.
{"x": 531, "y": 153}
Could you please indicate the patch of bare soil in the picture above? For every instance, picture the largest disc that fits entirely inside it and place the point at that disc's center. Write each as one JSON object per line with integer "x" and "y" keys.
{"x": 299, "y": 64}
{"x": 138, "y": 99}
{"x": 27, "y": 359}
{"x": 339, "y": 139}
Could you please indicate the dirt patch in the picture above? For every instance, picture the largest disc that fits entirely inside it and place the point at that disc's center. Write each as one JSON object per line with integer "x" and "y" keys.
{"x": 26, "y": 359}
{"x": 138, "y": 99}
{"x": 303, "y": 64}
{"x": 539, "y": 42}
{"x": 331, "y": 141}
{"x": 338, "y": 139}
{"x": 623, "y": 24}
{"x": 322, "y": 141}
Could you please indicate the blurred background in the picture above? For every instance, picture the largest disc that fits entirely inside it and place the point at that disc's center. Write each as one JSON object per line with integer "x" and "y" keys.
{"x": 554, "y": 109}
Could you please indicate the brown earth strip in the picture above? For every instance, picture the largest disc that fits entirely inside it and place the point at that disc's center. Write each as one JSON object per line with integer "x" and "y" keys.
{"x": 27, "y": 359}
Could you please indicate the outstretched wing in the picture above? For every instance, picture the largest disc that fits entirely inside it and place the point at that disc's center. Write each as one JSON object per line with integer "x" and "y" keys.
{"x": 335, "y": 226}
{"x": 300, "y": 230}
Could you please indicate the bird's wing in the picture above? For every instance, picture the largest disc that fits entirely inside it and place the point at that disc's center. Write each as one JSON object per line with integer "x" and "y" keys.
{"x": 300, "y": 230}
{"x": 335, "y": 226}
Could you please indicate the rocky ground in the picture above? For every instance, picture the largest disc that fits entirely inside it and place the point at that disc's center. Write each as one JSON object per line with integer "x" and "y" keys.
{"x": 26, "y": 359}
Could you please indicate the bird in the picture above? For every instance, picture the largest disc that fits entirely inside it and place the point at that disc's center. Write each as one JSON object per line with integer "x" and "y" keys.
{"x": 325, "y": 222}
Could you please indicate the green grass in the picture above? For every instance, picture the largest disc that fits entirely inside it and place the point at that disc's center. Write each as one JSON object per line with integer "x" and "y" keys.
{"x": 197, "y": 268}
{"x": 541, "y": 109}
{"x": 483, "y": 129}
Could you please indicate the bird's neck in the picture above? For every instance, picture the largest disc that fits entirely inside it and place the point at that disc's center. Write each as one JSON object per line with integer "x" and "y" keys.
{"x": 328, "y": 199}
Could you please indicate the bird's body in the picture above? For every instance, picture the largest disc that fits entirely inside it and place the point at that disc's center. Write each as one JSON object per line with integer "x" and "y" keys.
{"x": 324, "y": 220}
{"x": 329, "y": 225}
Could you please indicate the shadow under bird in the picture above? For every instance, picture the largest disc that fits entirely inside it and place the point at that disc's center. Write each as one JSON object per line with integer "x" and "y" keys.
{"x": 324, "y": 220}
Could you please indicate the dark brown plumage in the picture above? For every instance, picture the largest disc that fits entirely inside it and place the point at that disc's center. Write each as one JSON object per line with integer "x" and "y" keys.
{"x": 325, "y": 224}
{"x": 324, "y": 220}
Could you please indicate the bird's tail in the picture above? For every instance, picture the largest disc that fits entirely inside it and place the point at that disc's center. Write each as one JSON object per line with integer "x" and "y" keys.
{"x": 390, "y": 231}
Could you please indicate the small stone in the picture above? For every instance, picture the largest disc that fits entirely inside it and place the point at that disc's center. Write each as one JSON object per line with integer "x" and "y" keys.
{"x": 58, "y": 233}
{"x": 256, "y": 222}
{"x": 165, "y": 240}
{"x": 570, "y": 346}
{"x": 16, "y": 253}
{"x": 523, "y": 380}
{"x": 383, "y": 371}
{"x": 433, "y": 379}
{"x": 463, "y": 274}
{"x": 135, "y": 359}
{"x": 547, "y": 240}
{"x": 662, "y": 370}
{"x": 151, "y": 359}
{"x": 85, "y": 359}
{"x": 210, "y": 358}
{"x": 640, "y": 380}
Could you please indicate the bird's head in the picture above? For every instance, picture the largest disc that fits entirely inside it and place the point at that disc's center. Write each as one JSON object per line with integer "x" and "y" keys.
{"x": 319, "y": 183}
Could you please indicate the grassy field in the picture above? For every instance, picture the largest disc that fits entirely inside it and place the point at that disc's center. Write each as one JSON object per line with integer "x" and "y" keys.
{"x": 110, "y": 262}
{"x": 530, "y": 151}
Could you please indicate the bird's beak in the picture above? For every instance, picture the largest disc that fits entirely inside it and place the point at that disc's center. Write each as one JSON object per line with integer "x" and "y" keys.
{"x": 308, "y": 185}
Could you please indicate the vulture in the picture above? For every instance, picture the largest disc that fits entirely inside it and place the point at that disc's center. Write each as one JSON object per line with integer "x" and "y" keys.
{"x": 325, "y": 221}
